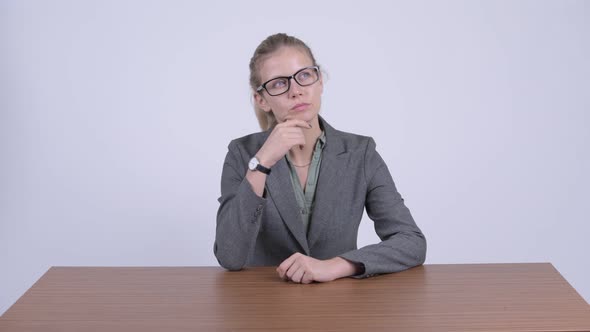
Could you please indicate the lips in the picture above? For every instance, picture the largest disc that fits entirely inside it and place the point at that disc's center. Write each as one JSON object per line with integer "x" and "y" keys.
{"x": 300, "y": 107}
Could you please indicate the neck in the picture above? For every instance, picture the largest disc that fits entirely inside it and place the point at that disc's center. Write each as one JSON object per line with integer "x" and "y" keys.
{"x": 301, "y": 155}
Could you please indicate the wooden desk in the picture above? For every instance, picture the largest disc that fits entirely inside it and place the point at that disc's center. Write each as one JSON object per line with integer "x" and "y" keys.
{"x": 488, "y": 297}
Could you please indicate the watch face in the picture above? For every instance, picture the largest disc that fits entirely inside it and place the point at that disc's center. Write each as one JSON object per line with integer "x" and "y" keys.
{"x": 252, "y": 164}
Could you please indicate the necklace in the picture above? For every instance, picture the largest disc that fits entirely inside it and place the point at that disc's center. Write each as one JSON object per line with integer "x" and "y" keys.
{"x": 301, "y": 165}
{"x": 292, "y": 163}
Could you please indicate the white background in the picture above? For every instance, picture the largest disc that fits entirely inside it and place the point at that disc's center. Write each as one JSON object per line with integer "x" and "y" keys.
{"x": 115, "y": 118}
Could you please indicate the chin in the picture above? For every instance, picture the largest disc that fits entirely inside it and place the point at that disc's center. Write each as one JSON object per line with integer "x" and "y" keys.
{"x": 305, "y": 116}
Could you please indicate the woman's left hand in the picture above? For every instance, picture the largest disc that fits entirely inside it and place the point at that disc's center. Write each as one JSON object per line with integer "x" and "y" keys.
{"x": 303, "y": 269}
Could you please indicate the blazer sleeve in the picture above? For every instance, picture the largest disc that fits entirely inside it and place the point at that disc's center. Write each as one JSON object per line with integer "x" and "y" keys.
{"x": 239, "y": 214}
{"x": 402, "y": 243}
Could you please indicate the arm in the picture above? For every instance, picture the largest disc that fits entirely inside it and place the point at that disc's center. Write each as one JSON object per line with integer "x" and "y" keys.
{"x": 304, "y": 269}
{"x": 238, "y": 217}
{"x": 241, "y": 201}
{"x": 402, "y": 243}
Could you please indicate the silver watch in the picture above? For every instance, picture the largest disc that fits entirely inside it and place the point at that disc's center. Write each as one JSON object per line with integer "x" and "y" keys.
{"x": 254, "y": 165}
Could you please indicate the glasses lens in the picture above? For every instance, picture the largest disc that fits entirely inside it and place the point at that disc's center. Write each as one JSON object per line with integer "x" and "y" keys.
{"x": 277, "y": 86}
{"x": 304, "y": 77}
{"x": 307, "y": 76}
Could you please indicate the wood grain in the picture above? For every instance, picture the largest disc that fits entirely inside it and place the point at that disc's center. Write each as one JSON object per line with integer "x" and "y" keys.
{"x": 474, "y": 297}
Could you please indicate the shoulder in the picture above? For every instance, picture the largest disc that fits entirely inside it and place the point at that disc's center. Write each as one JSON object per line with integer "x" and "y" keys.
{"x": 349, "y": 142}
{"x": 353, "y": 140}
{"x": 246, "y": 146}
{"x": 249, "y": 141}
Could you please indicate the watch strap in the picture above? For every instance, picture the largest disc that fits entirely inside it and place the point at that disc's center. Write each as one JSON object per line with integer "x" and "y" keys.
{"x": 262, "y": 169}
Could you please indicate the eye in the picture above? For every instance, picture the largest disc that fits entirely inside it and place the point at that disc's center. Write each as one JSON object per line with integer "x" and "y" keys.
{"x": 305, "y": 75}
{"x": 278, "y": 83}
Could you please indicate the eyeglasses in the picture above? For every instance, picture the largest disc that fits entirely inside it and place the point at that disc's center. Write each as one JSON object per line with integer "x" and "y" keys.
{"x": 279, "y": 85}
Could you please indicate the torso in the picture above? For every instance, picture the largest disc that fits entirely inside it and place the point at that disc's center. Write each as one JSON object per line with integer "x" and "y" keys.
{"x": 302, "y": 174}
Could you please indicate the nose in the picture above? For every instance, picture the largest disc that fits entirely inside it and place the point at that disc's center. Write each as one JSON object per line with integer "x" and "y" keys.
{"x": 294, "y": 88}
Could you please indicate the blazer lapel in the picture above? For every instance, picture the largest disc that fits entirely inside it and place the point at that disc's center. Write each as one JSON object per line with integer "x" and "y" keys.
{"x": 280, "y": 189}
{"x": 333, "y": 160}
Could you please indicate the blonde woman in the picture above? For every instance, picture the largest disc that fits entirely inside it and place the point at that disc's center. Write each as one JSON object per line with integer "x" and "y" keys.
{"x": 293, "y": 195}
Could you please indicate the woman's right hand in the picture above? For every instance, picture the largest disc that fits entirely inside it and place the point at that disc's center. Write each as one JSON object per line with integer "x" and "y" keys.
{"x": 283, "y": 137}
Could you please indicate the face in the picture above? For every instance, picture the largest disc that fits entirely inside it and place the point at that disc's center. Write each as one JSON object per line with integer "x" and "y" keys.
{"x": 299, "y": 102}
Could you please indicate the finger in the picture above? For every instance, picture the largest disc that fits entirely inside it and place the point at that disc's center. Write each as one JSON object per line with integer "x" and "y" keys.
{"x": 281, "y": 270}
{"x": 283, "y": 275}
{"x": 298, "y": 275}
{"x": 293, "y": 134}
{"x": 296, "y": 141}
{"x": 292, "y": 270}
{"x": 297, "y": 123}
{"x": 290, "y": 130}
{"x": 307, "y": 278}
{"x": 284, "y": 266}
{"x": 289, "y": 117}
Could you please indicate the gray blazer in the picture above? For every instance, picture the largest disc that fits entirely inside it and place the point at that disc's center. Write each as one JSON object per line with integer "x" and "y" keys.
{"x": 255, "y": 231}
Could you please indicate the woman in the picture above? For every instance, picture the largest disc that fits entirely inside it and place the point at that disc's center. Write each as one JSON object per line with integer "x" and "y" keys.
{"x": 294, "y": 194}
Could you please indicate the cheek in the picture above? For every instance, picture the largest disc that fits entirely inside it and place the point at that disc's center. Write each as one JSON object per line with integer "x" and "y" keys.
{"x": 317, "y": 95}
{"x": 278, "y": 106}
{"x": 260, "y": 102}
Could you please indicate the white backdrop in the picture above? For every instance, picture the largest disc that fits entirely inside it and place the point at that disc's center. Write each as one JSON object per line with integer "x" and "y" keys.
{"x": 115, "y": 118}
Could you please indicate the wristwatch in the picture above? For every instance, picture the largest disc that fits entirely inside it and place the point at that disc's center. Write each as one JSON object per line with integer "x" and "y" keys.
{"x": 254, "y": 165}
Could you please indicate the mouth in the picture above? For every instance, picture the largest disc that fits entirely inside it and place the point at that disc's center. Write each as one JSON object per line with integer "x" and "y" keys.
{"x": 300, "y": 107}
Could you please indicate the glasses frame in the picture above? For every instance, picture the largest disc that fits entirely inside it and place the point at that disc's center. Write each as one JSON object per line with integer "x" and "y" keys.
{"x": 263, "y": 85}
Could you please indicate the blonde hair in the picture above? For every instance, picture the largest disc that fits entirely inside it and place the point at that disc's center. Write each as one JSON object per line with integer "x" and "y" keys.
{"x": 271, "y": 44}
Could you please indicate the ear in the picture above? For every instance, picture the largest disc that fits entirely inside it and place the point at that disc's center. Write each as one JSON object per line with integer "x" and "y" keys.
{"x": 261, "y": 102}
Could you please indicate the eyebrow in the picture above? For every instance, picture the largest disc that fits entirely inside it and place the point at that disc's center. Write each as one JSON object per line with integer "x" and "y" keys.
{"x": 285, "y": 76}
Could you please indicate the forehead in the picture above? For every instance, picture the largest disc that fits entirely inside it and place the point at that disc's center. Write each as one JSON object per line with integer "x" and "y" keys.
{"x": 284, "y": 62}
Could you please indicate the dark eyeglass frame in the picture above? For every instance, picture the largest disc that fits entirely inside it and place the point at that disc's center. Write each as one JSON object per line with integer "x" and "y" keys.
{"x": 288, "y": 78}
